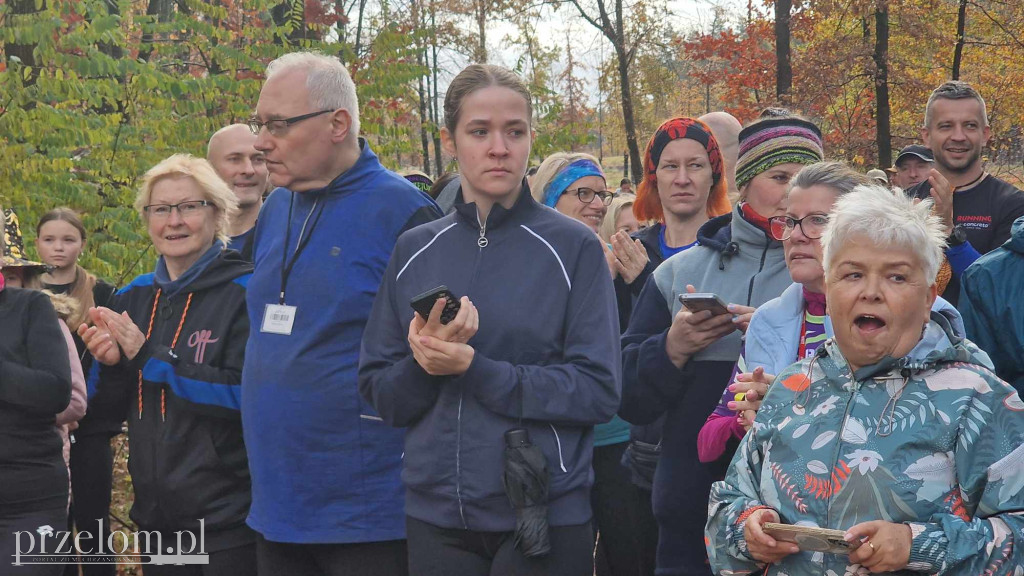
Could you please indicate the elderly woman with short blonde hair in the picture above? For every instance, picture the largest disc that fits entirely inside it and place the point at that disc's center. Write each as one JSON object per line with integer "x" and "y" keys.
{"x": 895, "y": 433}
{"x": 172, "y": 345}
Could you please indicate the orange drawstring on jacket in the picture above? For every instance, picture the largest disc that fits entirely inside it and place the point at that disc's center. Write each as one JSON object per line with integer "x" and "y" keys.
{"x": 174, "y": 342}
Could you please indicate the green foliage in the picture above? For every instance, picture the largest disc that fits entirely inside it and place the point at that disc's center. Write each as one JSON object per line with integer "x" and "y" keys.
{"x": 114, "y": 90}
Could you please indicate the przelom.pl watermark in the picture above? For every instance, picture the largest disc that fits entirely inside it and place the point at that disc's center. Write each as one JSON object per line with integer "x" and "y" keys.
{"x": 44, "y": 545}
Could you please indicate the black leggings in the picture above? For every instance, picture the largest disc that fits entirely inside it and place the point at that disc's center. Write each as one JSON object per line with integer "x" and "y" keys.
{"x": 646, "y": 530}
{"x": 92, "y": 465}
{"x": 435, "y": 551}
{"x": 35, "y": 523}
{"x": 612, "y": 499}
{"x": 359, "y": 559}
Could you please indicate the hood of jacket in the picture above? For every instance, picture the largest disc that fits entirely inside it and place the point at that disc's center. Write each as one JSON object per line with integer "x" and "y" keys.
{"x": 729, "y": 234}
{"x": 217, "y": 266}
{"x": 716, "y": 233}
{"x": 1016, "y": 241}
{"x": 774, "y": 334}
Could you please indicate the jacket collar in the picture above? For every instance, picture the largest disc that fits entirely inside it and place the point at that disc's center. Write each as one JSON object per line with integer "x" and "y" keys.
{"x": 1016, "y": 241}
{"x": 498, "y": 214}
{"x": 730, "y": 234}
{"x": 718, "y": 232}
{"x": 349, "y": 180}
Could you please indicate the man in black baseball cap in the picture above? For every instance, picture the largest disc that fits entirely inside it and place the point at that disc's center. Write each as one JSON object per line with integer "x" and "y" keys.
{"x": 912, "y": 165}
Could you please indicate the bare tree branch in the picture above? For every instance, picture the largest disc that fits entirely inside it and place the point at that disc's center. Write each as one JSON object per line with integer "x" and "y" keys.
{"x": 1001, "y": 26}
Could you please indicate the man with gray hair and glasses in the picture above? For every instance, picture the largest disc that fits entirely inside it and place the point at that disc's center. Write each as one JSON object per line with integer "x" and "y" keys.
{"x": 327, "y": 496}
{"x": 977, "y": 209}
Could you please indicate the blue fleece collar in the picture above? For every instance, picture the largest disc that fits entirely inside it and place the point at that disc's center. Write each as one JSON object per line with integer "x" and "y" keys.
{"x": 162, "y": 278}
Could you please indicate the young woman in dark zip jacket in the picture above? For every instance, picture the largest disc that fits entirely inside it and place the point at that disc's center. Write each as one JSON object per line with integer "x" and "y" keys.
{"x": 534, "y": 345}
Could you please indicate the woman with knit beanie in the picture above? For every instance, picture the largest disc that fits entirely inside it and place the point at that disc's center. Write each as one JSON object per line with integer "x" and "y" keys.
{"x": 678, "y": 362}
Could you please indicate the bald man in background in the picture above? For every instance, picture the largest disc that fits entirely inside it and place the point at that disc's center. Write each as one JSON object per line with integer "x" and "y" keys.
{"x": 233, "y": 155}
{"x": 726, "y": 129}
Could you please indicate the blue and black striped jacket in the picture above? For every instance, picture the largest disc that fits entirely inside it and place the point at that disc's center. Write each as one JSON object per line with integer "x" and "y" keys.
{"x": 188, "y": 460}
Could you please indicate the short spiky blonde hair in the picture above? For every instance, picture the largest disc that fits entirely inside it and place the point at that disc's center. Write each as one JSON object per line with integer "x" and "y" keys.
{"x": 215, "y": 190}
{"x": 889, "y": 220}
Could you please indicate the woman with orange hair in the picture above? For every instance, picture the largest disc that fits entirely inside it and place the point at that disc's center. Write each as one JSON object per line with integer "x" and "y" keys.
{"x": 684, "y": 186}
{"x": 677, "y": 362}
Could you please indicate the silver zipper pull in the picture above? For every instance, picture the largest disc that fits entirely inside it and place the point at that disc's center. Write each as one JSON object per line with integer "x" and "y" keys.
{"x": 482, "y": 240}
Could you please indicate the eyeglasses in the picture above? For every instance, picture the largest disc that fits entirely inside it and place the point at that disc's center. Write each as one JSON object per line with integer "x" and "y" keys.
{"x": 185, "y": 209}
{"x": 813, "y": 226}
{"x": 279, "y": 126}
{"x": 587, "y": 195}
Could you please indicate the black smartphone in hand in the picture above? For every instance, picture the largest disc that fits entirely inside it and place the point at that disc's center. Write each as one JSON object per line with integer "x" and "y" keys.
{"x": 425, "y": 302}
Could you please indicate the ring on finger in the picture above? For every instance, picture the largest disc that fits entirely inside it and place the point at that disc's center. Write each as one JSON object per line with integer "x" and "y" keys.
{"x": 872, "y": 545}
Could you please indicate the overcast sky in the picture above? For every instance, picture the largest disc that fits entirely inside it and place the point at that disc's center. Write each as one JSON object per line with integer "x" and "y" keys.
{"x": 589, "y": 46}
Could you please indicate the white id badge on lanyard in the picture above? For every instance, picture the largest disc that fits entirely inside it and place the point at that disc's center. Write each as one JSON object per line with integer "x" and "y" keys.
{"x": 278, "y": 319}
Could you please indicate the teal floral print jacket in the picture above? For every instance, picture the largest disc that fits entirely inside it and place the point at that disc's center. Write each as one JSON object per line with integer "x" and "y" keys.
{"x": 933, "y": 440}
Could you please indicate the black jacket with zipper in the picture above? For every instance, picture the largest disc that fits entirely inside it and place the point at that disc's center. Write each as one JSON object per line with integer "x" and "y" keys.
{"x": 188, "y": 460}
{"x": 626, "y": 294}
{"x": 640, "y": 462}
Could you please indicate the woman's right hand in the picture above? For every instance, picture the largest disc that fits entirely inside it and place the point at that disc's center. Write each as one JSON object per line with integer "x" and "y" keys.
{"x": 99, "y": 340}
{"x": 459, "y": 330}
{"x": 690, "y": 333}
{"x": 629, "y": 257}
{"x": 760, "y": 545}
{"x": 753, "y": 385}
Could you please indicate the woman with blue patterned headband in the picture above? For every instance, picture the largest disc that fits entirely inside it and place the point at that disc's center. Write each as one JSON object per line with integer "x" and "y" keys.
{"x": 574, "y": 184}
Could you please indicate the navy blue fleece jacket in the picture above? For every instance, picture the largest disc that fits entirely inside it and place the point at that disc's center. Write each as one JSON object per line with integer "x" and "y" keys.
{"x": 548, "y": 329}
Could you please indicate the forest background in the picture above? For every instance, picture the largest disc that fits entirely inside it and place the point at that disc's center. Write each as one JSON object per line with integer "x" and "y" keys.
{"x": 94, "y": 92}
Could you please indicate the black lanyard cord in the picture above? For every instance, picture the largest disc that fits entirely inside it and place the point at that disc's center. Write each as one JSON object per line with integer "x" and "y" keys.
{"x": 302, "y": 242}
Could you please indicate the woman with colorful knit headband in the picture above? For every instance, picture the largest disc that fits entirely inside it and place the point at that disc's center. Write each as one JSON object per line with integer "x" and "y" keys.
{"x": 677, "y": 362}
{"x": 172, "y": 347}
{"x": 684, "y": 185}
